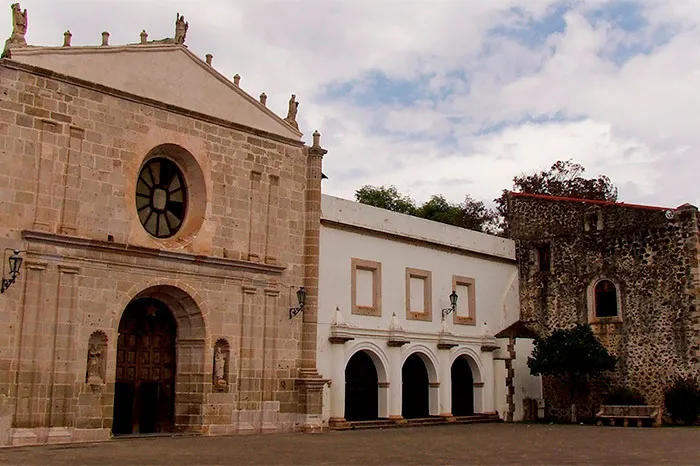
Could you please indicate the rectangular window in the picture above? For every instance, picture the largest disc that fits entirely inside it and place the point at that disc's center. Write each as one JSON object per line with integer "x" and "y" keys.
{"x": 366, "y": 287}
{"x": 544, "y": 258}
{"x": 419, "y": 287}
{"x": 465, "y": 313}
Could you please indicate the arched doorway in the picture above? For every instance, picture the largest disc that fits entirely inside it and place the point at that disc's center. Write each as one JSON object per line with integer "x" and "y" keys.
{"x": 144, "y": 392}
{"x": 462, "y": 388}
{"x": 415, "y": 388}
{"x": 361, "y": 388}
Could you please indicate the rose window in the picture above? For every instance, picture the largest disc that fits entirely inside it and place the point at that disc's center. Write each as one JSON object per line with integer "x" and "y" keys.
{"x": 161, "y": 197}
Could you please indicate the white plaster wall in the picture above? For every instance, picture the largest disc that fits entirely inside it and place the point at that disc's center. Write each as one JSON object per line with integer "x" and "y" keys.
{"x": 352, "y": 230}
{"x": 526, "y": 385}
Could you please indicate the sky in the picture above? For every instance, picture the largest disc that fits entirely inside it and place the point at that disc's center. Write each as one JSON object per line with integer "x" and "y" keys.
{"x": 450, "y": 97}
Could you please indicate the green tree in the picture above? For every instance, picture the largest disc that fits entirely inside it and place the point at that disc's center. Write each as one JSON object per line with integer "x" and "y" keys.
{"x": 574, "y": 356}
{"x": 438, "y": 209}
{"x": 682, "y": 399}
{"x": 386, "y": 198}
{"x": 564, "y": 179}
{"x": 471, "y": 214}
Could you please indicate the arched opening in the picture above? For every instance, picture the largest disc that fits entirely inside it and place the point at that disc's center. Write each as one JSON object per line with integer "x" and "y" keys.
{"x": 415, "y": 388}
{"x": 605, "y": 299}
{"x": 462, "y": 387}
{"x": 361, "y": 388}
{"x": 144, "y": 392}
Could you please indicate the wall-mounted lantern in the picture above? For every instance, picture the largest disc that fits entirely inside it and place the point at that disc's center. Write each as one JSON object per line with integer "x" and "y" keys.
{"x": 301, "y": 297}
{"x": 453, "y": 305}
{"x": 15, "y": 262}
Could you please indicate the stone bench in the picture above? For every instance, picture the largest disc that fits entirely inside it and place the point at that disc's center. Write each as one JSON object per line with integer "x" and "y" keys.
{"x": 626, "y": 413}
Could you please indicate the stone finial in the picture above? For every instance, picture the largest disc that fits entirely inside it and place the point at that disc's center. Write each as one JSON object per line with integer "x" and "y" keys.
{"x": 66, "y": 38}
{"x": 394, "y": 323}
{"x": 292, "y": 112}
{"x": 19, "y": 29}
{"x": 209, "y": 58}
{"x": 338, "y": 320}
{"x": 237, "y": 79}
{"x": 486, "y": 331}
{"x": 105, "y": 38}
{"x": 263, "y": 99}
{"x": 180, "y": 29}
{"x": 317, "y": 139}
{"x": 144, "y": 36}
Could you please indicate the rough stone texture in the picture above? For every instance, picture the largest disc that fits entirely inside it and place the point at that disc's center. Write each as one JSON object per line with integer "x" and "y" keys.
{"x": 71, "y": 152}
{"x": 652, "y": 258}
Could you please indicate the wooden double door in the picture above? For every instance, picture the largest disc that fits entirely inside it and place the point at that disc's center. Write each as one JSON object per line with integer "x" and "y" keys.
{"x": 144, "y": 397}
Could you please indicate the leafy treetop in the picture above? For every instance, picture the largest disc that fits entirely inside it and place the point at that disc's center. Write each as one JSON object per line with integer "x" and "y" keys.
{"x": 471, "y": 214}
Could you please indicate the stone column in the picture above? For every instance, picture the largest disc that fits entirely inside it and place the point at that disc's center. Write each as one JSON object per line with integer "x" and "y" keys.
{"x": 445, "y": 373}
{"x": 337, "y": 417}
{"x": 310, "y": 383}
{"x": 395, "y": 393}
{"x": 510, "y": 375}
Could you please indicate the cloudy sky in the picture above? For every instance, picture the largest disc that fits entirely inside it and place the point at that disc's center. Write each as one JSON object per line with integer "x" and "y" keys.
{"x": 449, "y": 96}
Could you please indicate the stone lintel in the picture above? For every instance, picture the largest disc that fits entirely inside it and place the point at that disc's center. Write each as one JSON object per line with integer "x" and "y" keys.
{"x": 339, "y": 339}
{"x": 488, "y": 348}
{"x": 446, "y": 344}
{"x": 397, "y": 342}
{"x": 130, "y": 250}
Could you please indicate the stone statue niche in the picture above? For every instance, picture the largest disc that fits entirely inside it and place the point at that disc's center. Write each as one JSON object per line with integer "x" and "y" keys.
{"x": 96, "y": 355}
{"x": 222, "y": 355}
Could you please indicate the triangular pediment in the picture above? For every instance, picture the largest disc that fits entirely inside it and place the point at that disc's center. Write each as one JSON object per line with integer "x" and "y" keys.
{"x": 167, "y": 73}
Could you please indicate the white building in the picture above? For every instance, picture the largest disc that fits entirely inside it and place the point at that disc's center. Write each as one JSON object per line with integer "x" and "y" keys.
{"x": 384, "y": 280}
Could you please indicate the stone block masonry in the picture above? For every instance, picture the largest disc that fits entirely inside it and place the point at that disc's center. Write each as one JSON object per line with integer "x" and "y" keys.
{"x": 71, "y": 153}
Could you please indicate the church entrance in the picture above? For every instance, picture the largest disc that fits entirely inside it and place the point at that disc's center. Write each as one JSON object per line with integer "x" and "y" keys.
{"x": 462, "y": 388}
{"x": 361, "y": 388}
{"x": 415, "y": 388}
{"x": 144, "y": 393}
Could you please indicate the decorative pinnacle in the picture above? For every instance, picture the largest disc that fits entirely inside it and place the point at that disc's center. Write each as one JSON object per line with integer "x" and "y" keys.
{"x": 105, "y": 38}
{"x": 317, "y": 139}
{"x": 237, "y": 79}
{"x": 263, "y": 99}
{"x": 209, "y": 58}
{"x": 144, "y": 36}
{"x": 66, "y": 38}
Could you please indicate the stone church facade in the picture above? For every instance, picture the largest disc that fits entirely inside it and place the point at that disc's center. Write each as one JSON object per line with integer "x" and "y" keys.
{"x": 165, "y": 219}
{"x": 630, "y": 271}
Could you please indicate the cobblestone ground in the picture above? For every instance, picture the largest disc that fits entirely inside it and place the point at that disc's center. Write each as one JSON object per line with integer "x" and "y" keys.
{"x": 460, "y": 444}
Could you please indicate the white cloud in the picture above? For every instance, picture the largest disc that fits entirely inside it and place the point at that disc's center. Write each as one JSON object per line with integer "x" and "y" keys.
{"x": 636, "y": 122}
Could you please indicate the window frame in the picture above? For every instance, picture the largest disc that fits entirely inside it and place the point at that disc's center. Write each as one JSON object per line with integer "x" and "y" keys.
{"x": 375, "y": 310}
{"x": 427, "y": 276}
{"x": 470, "y": 283}
{"x": 592, "y": 302}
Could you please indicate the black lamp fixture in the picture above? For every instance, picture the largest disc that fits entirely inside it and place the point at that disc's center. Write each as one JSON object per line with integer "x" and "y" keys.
{"x": 15, "y": 261}
{"x": 453, "y": 305}
{"x": 301, "y": 297}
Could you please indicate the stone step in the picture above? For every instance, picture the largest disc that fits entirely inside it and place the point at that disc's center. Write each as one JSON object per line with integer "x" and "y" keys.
{"x": 429, "y": 421}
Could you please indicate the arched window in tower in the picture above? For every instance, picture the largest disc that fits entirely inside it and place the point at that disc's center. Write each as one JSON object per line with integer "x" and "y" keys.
{"x": 606, "y": 299}
{"x": 161, "y": 197}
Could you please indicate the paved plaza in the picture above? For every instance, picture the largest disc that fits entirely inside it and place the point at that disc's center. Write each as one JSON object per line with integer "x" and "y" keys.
{"x": 458, "y": 444}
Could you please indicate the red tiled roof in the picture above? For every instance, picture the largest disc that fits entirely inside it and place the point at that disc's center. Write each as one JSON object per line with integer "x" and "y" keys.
{"x": 589, "y": 201}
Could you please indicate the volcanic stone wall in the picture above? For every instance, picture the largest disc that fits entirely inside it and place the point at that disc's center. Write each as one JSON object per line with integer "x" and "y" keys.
{"x": 650, "y": 254}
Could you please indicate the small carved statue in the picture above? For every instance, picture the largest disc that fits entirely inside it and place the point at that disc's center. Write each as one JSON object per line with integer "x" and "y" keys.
{"x": 19, "y": 23}
{"x": 219, "y": 367}
{"x": 180, "y": 29}
{"x": 94, "y": 369}
{"x": 292, "y": 112}
{"x": 19, "y": 29}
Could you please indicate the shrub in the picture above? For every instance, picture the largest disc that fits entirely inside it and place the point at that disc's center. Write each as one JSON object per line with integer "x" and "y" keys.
{"x": 682, "y": 399}
{"x": 623, "y": 396}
